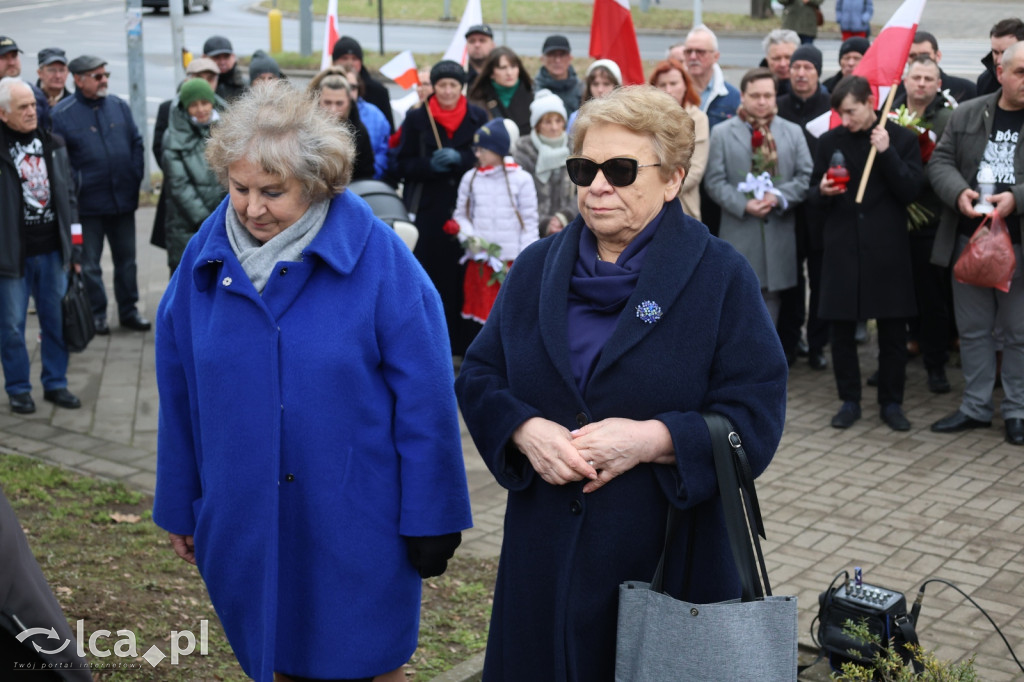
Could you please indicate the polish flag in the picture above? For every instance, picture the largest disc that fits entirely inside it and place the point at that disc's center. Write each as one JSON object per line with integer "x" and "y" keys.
{"x": 471, "y": 16}
{"x": 883, "y": 63}
{"x": 402, "y": 70}
{"x": 331, "y": 34}
{"x": 612, "y": 36}
{"x": 76, "y": 234}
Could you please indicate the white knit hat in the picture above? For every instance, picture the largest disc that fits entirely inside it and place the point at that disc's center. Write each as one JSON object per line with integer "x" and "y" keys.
{"x": 608, "y": 64}
{"x": 546, "y": 102}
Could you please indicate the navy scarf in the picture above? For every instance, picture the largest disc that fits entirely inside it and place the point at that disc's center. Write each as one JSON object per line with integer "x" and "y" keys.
{"x": 598, "y": 291}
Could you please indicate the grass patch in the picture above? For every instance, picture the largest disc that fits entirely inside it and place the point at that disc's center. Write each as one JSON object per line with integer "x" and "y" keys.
{"x": 123, "y": 575}
{"x": 566, "y": 13}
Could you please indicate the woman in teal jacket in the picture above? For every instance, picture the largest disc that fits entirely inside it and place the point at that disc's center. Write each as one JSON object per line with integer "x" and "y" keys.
{"x": 309, "y": 458}
{"x": 192, "y": 188}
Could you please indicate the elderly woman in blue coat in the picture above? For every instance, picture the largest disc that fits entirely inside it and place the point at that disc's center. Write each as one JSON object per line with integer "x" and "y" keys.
{"x": 309, "y": 458}
{"x": 584, "y": 393}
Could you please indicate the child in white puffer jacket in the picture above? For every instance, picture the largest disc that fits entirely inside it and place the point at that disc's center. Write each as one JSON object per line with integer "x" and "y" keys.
{"x": 497, "y": 217}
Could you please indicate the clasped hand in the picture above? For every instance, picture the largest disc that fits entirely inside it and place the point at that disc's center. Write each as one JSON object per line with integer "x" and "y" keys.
{"x": 599, "y": 452}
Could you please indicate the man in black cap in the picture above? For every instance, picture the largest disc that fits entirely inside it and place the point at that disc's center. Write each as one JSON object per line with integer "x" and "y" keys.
{"x": 806, "y": 100}
{"x": 10, "y": 65}
{"x": 348, "y": 52}
{"x": 106, "y": 153}
{"x": 850, "y": 53}
{"x": 53, "y": 74}
{"x": 479, "y": 43}
{"x": 37, "y": 210}
{"x": 557, "y": 74}
{"x": 230, "y": 84}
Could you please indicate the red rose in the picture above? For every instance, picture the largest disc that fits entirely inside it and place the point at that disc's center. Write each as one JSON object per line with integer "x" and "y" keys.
{"x": 924, "y": 141}
{"x": 450, "y": 227}
{"x": 756, "y": 139}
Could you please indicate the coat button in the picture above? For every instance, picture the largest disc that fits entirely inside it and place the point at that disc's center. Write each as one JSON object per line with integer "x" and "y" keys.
{"x": 284, "y": 271}
{"x": 290, "y": 477}
{"x": 226, "y": 281}
{"x": 581, "y": 419}
{"x": 575, "y": 507}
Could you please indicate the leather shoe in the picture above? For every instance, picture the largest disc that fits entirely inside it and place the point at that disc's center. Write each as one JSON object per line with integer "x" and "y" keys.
{"x": 847, "y": 415}
{"x": 873, "y": 379}
{"x": 801, "y": 348}
{"x": 937, "y": 381}
{"x": 817, "y": 360}
{"x": 892, "y": 415}
{"x": 102, "y": 328}
{"x": 62, "y": 397}
{"x": 22, "y": 403}
{"x": 136, "y": 322}
{"x": 958, "y": 421}
{"x": 1015, "y": 431}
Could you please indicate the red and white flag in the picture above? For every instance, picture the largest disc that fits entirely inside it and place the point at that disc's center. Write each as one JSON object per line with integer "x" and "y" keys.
{"x": 883, "y": 63}
{"x": 402, "y": 70}
{"x": 76, "y": 234}
{"x": 612, "y": 36}
{"x": 331, "y": 34}
{"x": 471, "y": 16}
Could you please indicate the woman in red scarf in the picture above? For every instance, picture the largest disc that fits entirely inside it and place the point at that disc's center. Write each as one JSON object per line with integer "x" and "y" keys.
{"x": 433, "y": 154}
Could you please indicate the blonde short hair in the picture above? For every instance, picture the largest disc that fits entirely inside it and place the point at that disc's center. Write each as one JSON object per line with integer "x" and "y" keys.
{"x": 645, "y": 110}
{"x": 277, "y": 127}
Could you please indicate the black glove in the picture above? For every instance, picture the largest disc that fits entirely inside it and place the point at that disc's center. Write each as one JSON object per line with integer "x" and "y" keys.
{"x": 429, "y": 555}
{"x": 444, "y": 159}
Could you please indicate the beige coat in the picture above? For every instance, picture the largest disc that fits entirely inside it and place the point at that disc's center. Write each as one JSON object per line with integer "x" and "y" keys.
{"x": 689, "y": 193}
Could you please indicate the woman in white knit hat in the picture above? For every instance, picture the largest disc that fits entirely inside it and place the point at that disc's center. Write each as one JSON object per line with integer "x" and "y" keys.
{"x": 602, "y": 77}
{"x": 542, "y": 154}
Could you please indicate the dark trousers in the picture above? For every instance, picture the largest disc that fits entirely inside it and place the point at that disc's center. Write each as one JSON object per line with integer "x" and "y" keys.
{"x": 710, "y": 212}
{"x": 119, "y": 231}
{"x": 794, "y": 301}
{"x": 892, "y": 360}
{"x": 934, "y": 302}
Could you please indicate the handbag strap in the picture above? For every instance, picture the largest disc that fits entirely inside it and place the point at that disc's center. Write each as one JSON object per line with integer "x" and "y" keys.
{"x": 740, "y": 507}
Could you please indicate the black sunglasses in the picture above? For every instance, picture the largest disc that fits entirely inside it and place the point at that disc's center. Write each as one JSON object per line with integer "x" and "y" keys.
{"x": 619, "y": 171}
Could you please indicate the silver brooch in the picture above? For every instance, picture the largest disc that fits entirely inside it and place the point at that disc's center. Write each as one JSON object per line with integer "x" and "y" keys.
{"x": 649, "y": 312}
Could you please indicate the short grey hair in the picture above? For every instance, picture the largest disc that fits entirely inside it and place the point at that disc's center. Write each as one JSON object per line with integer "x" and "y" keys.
{"x": 279, "y": 128}
{"x": 644, "y": 110}
{"x": 7, "y": 85}
{"x": 778, "y": 36}
{"x": 1010, "y": 53}
{"x": 704, "y": 29}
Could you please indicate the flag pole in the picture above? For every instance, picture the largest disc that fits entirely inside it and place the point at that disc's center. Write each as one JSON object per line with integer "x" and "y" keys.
{"x": 874, "y": 150}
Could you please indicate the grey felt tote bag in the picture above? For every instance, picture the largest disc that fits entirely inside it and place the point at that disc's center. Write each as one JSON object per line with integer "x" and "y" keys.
{"x": 663, "y": 639}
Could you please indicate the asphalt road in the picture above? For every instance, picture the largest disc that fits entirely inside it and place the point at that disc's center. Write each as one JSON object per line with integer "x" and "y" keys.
{"x": 98, "y": 27}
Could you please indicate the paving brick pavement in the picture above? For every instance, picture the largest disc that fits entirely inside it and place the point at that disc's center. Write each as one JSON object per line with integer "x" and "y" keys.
{"x": 905, "y": 507}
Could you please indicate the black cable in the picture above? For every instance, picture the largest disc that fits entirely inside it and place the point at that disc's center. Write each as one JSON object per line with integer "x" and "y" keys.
{"x": 920, "y": 597}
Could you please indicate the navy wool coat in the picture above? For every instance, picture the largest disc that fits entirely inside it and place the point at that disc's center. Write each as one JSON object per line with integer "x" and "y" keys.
{"x": 302, "y": 434}
{"x": 564, "y": 553}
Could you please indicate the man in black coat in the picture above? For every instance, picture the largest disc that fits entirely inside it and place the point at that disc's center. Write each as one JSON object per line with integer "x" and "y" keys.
{"x": 866, "y": 270}
{"x": 37, "y": 210}
{"x": 348, "y": 52}
{"x": 1003, "y": 34}
{"x": 806, "y": 101}
{"x": 230, "y": 83}
{"x": 926, "y": 45}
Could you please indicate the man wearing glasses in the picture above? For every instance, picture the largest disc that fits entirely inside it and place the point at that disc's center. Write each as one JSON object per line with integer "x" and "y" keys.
{"x": 53, "y": 74}
{"x": 718, "y": 99}
{"x": 557, "y": 74}
{"x": 106, "y": 152}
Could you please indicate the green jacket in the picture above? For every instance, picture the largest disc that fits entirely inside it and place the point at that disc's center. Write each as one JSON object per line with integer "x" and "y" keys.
{"x": 193, "y": 191}
{"x": 800, "y": 16}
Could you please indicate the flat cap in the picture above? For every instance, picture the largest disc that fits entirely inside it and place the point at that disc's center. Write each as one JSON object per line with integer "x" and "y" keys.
{"x": 8, "y": 45}
{"x": 216, "y": 45}
{"x": 480, "y": 28}
{"x": 86, "y": 62}
{"x": 200, "y": 64}
{"x": 556, "y": 42}
{"x": 49, "y": 55}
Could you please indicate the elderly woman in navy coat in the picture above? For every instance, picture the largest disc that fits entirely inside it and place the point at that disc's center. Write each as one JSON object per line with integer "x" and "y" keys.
{"x": 585, "y": 389}
{"x": 309, "y": 459}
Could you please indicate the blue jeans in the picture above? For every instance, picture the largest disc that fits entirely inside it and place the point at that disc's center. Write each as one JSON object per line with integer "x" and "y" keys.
{"x": 119, "y": 229}
{"x": 46, "y": 280}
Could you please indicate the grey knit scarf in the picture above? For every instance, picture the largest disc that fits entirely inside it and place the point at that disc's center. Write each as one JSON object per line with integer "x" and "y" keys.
{"x": 258, "y": 259}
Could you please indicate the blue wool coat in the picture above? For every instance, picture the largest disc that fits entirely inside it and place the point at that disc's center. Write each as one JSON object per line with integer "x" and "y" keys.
{"x": 302, "y": 434}
{"x": 564, "y": 553}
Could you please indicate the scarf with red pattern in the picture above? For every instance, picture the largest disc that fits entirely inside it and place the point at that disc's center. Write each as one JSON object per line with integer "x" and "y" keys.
{"x": 763, "y": 155}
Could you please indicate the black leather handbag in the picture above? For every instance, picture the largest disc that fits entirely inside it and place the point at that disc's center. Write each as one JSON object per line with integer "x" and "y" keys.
{"x": 79, "y": 327}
